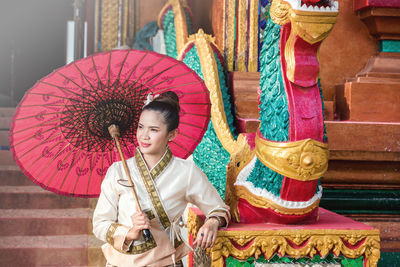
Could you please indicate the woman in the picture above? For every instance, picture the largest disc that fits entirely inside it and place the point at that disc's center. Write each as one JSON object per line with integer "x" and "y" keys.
{"x": 164, "y": 185}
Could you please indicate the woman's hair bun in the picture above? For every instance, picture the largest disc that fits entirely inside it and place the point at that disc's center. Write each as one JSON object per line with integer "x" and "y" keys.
{"x": 170, "y": 98}
{"x": 167, "y": 104}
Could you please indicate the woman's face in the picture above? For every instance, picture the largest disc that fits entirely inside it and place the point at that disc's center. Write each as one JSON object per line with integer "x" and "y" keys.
{"x": 152, "y": 133}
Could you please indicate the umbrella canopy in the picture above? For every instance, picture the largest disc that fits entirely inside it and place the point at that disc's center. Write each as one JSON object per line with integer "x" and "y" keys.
{"x": 59, "y": 134}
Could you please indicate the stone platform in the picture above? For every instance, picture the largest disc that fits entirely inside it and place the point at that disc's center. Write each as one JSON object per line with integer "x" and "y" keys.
{"x": 332, "y": 234}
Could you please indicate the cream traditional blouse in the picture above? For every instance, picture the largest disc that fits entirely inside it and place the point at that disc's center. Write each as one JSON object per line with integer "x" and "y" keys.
{"x": 172, "y": 184}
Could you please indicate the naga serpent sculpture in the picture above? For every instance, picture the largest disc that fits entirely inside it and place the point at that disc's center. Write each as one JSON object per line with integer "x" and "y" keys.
{"x": 277, "y": 180}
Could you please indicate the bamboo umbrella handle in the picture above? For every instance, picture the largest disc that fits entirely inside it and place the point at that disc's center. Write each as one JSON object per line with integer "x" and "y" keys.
{"x": 114, "y": 132}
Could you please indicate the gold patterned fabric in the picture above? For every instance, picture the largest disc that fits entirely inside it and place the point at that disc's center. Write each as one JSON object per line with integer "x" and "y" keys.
{"x": 150, "y": 214}
{"x": 140, "y": 248}
{"x": 110, "y": 233}
{"x": 148, "y": 180}
{"x": 133, "y": 249}
{"x": 158, "y": 169}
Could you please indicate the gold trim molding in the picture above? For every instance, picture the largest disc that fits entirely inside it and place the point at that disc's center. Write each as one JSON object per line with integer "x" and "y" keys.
{"x": 210, "y": 73}
{"x": 181, "y": 31}
{"x": 309, "y": 242}
{"x": 303, "y": 160}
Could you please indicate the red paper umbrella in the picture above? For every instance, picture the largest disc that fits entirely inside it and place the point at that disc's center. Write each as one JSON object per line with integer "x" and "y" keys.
{"x": 59, "y": 134}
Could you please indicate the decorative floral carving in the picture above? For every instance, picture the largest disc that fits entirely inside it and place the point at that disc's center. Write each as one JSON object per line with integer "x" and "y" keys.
{"x": 307, "y": 243}
{"x": 240, "y": 157}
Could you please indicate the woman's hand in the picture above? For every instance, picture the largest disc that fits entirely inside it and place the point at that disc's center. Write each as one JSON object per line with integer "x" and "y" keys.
{"x": 140, "y": 221}
{"x": 207, "y": 234}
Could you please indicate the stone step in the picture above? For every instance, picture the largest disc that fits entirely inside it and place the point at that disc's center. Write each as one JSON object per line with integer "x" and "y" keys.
{"x": 30, "y": 222}
{"x": 6, "y": 157}
{"x": 7, "y": 112}
{"x": 5, "y": 122}
{"x": 4, "y": 139}
{"x": 35, "y": 197}
{"x": 12, "y": 175}
{"x": 95, "y": 254}
{"x": 64, "y": 250}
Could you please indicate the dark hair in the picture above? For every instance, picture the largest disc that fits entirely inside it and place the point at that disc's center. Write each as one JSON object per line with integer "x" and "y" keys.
{"x": 167, "y": 103}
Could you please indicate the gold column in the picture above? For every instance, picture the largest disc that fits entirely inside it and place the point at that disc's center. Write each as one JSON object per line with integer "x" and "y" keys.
{"x": 109, "y": 24}
{"x": 117, "y": 22}
{"x": 231, "y": 34}
{"x": 242, "y": 34}
{"x": 253, "y": 36}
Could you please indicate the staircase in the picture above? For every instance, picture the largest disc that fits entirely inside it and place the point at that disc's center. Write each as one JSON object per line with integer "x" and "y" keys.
{"x": 37, "y": 227}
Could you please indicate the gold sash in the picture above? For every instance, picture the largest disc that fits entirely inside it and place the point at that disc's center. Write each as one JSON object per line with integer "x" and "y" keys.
{"x": 148, "y": 178}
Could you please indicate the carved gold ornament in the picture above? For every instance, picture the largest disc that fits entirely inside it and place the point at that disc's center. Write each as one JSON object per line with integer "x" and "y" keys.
{"x": 194, "y": 223}
{"x": 303, "y": 160}
{"x": 241, "y": 156}
{"x": 291, "y": 243}
{"x": 279, "y": 12}
{"x": 181, "y": 31}
{"x": 311, "y": 26}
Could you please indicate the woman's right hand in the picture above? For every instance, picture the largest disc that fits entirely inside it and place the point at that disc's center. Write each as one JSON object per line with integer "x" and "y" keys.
{"x": 140, "y": 221}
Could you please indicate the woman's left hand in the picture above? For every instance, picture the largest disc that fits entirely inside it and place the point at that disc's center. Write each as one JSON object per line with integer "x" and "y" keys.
{"x": 207, "y": 234}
